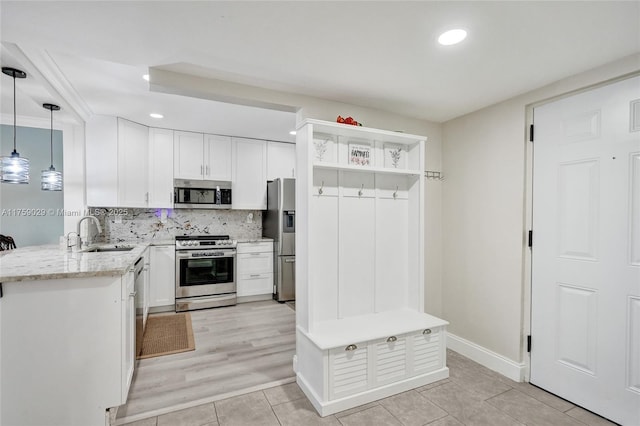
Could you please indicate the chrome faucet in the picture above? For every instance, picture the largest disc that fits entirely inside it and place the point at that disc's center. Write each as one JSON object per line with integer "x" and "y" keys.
{"x": 86, "y": 243}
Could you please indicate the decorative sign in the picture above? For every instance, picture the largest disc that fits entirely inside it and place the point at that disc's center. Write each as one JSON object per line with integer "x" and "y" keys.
{"x": 395, "y": 156}
{"x": 359, "y": 155}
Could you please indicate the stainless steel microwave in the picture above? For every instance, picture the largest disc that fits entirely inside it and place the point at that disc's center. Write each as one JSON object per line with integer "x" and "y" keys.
{"x": 201, "y": 194}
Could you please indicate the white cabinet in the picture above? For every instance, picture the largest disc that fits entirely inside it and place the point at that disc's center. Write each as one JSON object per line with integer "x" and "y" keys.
{"x": 128, "y": 164}
{"x": 101, "y": 150}
{"x": 128, "y": 331}
{"x": 160, "y": 168}
{"x": 360, "y": 278}
{"x": 188, "y": 155}
{"x": 249, "y": 182}
{"x": 218, "y": 159}
{"x": 133, "y": 153}
{"x": 281, "y": 160}
{"x": 198, "y": 156}
{"x": 162, "y": 290}
{"x": 255, "y": 269}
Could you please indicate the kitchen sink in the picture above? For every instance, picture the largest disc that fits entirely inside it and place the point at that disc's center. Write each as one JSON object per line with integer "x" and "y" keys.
{"x": 107, "y": 249}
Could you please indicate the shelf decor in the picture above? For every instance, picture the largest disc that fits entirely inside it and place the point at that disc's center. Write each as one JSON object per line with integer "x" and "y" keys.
{"x": 321, "y": 148}
{"x": 395, "y": 156}
{"x": 359, "y": 155}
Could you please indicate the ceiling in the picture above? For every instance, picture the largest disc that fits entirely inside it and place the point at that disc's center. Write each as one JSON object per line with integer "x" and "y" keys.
{"x": 382, "y": 55}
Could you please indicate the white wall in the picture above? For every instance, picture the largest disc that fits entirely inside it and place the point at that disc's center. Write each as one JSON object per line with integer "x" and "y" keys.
{"x": 485, "y": 286}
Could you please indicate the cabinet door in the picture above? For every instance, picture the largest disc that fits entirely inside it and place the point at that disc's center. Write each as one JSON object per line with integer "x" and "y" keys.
{"x": 390, "y": 363}
{"x": 162, "y": 291}
{"x": 255, "y": 263}
{"x": 281, "y": 160}
{"x": 249, "y": 181}
{"x": 102, "y": 161}
{"x": 255, "y": 284}
{"x": 160, "y": 168}
{"x": 427, "y": 351}
{"x": 133, "y": 159}
{"x": 128, "y": 332}
{"x": 218, "y": 160}
{"x": 348, "y": 370}
{"x": 188, "y": 155}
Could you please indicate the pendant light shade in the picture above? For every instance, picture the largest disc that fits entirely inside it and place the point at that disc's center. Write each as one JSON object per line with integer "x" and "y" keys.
{"x": 51, "y": 180}
{"x": 14, "y": 169}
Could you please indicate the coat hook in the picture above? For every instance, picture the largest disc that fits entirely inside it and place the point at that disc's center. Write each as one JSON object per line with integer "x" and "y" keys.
{"x": 320, "y": 189}
{"x": 361, "y": 190}
{"x": 395, "y": 194}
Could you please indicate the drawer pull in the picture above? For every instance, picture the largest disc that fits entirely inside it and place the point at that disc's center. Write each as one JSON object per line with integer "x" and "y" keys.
{"x": 392, "y": 339}
{"x": 351, "y": 348}
{"x": 254, "y": 275}
{"x": 427, "y": 331}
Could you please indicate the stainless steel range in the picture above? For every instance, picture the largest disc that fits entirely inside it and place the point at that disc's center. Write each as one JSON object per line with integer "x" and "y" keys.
{"x": 205, "y": 272}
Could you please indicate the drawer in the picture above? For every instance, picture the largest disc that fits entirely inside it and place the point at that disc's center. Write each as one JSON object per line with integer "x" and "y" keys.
{"x": 427, "y": 350}
{"x": 348, "y": 370}
{"x": 255, "y": 247}
{"x": 255, "y": 263}
{"x": 390, "y": 359}
{"x": 254, "y": 284}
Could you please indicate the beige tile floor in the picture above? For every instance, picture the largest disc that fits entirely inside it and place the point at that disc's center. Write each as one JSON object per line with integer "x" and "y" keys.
{"x": 472, "y": 395}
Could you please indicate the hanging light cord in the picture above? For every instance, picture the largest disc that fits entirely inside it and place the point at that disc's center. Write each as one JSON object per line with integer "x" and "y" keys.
{"x": 51, "y": 133}
{"x": 14, "y": 113}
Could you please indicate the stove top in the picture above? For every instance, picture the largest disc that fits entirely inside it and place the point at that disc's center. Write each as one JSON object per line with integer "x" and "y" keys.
{"x": 187, "y": 242}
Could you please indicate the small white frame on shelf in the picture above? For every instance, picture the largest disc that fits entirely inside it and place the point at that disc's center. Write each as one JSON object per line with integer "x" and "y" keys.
{"x": 362, "y": 333}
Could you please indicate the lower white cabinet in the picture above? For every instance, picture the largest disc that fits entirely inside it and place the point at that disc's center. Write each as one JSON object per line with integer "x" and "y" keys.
{"x": 162, "y": 291}
{"x": 397, "y": 351}
{"x": 255, "y": 269}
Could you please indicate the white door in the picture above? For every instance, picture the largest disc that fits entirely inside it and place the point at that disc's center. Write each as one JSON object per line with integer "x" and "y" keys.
{"x": 585, "y": 320}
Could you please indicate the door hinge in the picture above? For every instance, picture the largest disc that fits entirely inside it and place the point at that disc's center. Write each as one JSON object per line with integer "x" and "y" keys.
{"x": 531, "y": 133}
{"x": 530, "y": 239}
{"x": 528, "y": 343}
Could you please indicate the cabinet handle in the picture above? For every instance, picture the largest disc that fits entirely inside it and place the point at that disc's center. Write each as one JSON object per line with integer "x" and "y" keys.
{"x": 201, "y": 169}
{"x": 351, "y": 348}
{"x": 170, "y": 197}
{"x": 207, "y": 170}
{"x": 392, "y": 339}
{"x": 256, "y": 254}
{"x": 254, "y": 275}
{"x": 146, "y": 197}
{"x": 133, "y": 294}
{"x": 427, "y": 331}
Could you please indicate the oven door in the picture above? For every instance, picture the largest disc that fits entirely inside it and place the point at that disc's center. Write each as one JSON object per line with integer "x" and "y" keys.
{"x": 205, "y": 272}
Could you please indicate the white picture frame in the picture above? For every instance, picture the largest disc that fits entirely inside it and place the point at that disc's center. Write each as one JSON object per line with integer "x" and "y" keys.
{"x": 360, "y": 155}
{"x": 395, "y": 156}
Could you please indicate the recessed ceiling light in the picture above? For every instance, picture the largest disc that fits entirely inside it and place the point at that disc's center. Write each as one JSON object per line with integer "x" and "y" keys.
{"x": 156, "y": 115}
{"x": 452, "y": 37}
{"x": 292, "y": 133}
{"x": 145, "y": 77}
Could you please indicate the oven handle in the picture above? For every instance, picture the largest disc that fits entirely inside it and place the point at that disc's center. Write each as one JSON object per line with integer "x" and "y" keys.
{"x": 187, "y": 254}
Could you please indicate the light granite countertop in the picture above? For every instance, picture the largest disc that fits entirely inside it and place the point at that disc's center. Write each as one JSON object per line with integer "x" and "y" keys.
{"x": 49, "y": 262}
{"x": 254, "y": 240}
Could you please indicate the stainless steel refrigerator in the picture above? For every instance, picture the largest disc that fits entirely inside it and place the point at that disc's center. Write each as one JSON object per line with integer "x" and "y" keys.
{"x": 279, "y": 223}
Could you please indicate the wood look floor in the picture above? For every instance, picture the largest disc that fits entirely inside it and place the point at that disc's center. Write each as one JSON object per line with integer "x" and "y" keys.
{"x": 239, "y": 348}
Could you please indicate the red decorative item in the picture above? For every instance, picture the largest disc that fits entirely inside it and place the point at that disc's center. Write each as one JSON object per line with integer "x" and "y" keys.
{"x": 348, "y": 120}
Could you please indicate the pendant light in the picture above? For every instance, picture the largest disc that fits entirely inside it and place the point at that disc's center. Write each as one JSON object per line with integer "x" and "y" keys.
{"x": 14, "y": 169}
{"x": 51, "y": 179}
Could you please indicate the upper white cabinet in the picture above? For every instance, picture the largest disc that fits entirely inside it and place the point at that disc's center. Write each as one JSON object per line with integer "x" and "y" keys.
{"x": 218, "y": 155}
{"x": 160, "y": 168}
{"x": 249, "y": 181}
{"x": 128, "y": 164}
{"x": 362, "y": 333}
{"x": 281, "y": 160}
{"x": 198, "y": 156}
{"x": 133, "y": 161}
{"x": 188, "y": 155}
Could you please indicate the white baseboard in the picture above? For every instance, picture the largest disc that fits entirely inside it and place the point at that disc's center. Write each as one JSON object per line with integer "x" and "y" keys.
{"x": 491, "y": 360}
